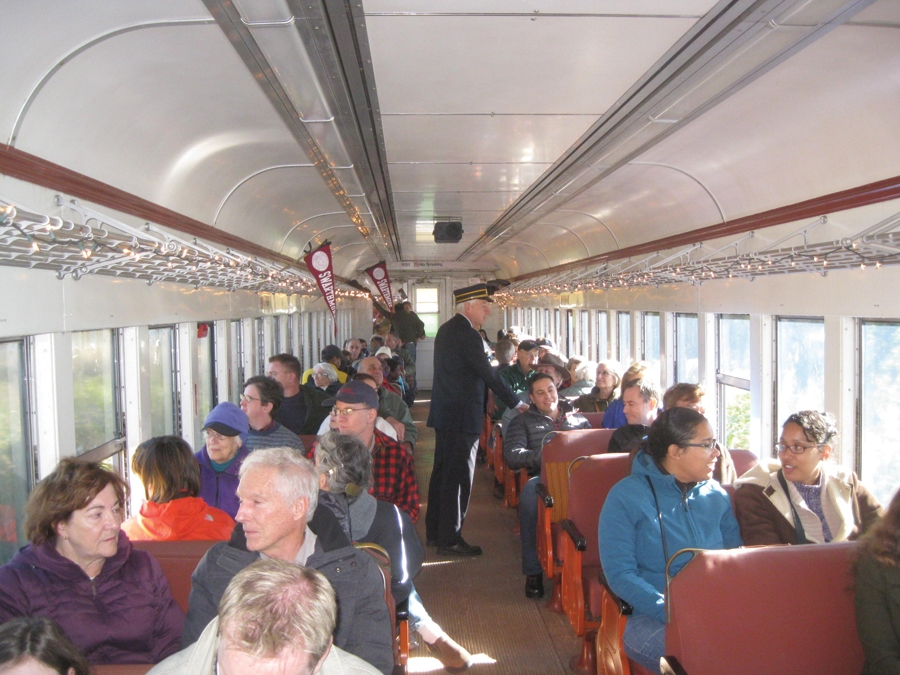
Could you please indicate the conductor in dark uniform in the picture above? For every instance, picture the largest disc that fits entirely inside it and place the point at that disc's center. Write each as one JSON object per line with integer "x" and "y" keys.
{"x": 461, "y": 370}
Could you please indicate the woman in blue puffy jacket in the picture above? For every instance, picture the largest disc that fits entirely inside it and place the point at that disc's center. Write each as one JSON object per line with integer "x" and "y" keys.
{"x": 668, "y": 503}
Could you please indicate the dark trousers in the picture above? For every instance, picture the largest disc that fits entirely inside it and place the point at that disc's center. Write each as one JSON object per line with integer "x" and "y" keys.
{"x": 450, "y": 486}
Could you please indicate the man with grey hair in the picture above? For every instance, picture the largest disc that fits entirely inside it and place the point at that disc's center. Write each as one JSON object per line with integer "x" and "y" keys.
{"x": 275, "y": 617}
{"x": 278, "y": 490}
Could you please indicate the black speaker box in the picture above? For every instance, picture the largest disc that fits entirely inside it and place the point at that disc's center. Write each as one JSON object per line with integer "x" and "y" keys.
{"x": 447, "y": 231}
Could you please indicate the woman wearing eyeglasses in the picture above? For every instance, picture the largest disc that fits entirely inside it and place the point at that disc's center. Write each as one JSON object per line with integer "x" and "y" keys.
{"x": 221, "y": 457}
{"x": 802, "y": 497}
{"x": 667, "y": 503}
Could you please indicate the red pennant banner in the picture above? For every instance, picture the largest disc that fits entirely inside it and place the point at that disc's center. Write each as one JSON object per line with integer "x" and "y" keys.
{"x": 319, "y": 264}
{"x": 379, "y": 274}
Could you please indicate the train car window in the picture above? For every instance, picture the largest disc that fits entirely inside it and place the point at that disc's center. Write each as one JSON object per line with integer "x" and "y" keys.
{"x": 95, "y": 386}
{"x": 650, "y": 343}
{"x": 164, "y": 419}
{"x": 623, "y": 344}
{"x": 687, "y": 350}
{"x": 289, "y": 333}
{"x": 733, "y": 379}
{"x": 799, "y": 366}
{"x": 207, "y": 397}
{"x": 601, "y": 338}
{"x": 16, "y": 476}
{"x": 428, "y": 308}
{"x": 261, "y": 343}
{"x": 879, "y": 435}
{"x": 584, "y": 334}
{"x": 236, "y": 360}
{"x": 276, "y": 334}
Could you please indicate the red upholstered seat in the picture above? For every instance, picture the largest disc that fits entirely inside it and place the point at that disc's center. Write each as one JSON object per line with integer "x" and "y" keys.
{"x": 744, "y": 460}
{"x": 590, "y": 480}
{"x": 595, "y": 418}
{"x": 556, "y": 456}
{"x": 769, "y": 609}
{"x": 178, "y": 560}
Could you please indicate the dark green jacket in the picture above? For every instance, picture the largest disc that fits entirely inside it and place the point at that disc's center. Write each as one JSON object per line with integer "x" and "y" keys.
{"x": 878, "y": 615}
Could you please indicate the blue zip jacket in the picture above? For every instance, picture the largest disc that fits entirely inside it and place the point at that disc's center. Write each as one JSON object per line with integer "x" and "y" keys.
{"x": 631, "y": 550}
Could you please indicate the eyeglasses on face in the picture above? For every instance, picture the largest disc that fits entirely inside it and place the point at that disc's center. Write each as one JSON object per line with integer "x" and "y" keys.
{"x": 345, "y": 411}
{"x": 244, "y": 397}
{"x": 796, "y": 449}
{"x": 709, "y": 446}
{"x": 214, "y": 435}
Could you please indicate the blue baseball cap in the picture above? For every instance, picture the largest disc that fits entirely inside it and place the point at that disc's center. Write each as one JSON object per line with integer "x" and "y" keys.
{"x": 228, "y": 420}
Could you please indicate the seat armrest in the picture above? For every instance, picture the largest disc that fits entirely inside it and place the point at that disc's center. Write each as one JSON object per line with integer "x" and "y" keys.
{"x": 544, "y": 496}
{"x": 577, "y": 538}
{"x": 624, "y": 608}
{"x": 403, "y": 611}
{"x": 669, "y": 665}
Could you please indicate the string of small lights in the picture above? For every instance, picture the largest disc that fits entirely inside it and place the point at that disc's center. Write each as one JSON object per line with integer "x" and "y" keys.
{"x": 872, "y": 248}
{"x": 82, "y": 241}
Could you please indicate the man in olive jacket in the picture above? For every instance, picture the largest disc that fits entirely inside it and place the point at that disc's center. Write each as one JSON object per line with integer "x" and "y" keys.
{"x": 278, "y": 489}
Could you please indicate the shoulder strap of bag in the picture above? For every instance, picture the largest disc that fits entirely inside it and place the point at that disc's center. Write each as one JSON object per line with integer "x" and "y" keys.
{"x": 798, "y": 526}
{"x": 662, "y": 531}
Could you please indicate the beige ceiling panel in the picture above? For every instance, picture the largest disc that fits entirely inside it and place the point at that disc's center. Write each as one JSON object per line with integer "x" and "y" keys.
{"x": 642, "y": 203}
{"x": 583, "y": 7}
{"x": 481, "y": 138}
{"x": 278, "y": 206}
{"x": 465, "y": 176}
{"x": 824, "y": 121}
{"x": 514, "y": 64}
{"x": 451, "y": 203}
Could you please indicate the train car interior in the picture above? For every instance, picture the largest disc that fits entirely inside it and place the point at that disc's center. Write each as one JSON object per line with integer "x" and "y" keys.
{"x": 711, "y": 186}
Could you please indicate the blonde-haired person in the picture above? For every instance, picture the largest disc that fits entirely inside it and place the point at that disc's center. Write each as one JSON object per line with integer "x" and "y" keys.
{"x": 614, "y": 417}
{"x": 802, "y": 497}
{"x": 607, "y": 379}
{"x": 877, "y": 601}
{"x": 275, "y": 616}
{"x": 173, "y": 510}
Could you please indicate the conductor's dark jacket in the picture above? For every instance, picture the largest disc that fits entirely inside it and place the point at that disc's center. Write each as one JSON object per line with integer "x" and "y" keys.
{"x": 461, "y": 369}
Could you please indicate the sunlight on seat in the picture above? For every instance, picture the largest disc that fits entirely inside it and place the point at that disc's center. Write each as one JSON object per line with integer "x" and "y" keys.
{"x": 429, "y": 664}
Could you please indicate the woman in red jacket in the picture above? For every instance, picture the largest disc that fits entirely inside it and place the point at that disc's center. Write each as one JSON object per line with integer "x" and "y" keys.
{"x": 173, "y": 510}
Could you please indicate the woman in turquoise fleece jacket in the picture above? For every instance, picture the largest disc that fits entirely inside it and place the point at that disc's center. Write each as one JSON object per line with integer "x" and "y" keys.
{"x": 671, "y": 476}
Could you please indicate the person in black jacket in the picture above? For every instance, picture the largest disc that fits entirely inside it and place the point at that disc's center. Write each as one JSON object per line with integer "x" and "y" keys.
{"x": 461, "y": 369}
{"x": 522, "y": 445}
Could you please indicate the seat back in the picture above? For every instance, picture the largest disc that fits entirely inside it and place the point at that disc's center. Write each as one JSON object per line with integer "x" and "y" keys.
{"x": 767, "y": 609}
{"x": 558, "y": 454}
{"x": 178, "y": 560}
{"x": 590, "y": 480}
{"x": 744, "y": 460}
{"x": 595, "y": 418}
{"x": 383, "y": 559}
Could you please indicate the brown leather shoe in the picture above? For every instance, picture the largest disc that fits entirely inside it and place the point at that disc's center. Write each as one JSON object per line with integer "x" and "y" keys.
{"x": 454, "y": 658}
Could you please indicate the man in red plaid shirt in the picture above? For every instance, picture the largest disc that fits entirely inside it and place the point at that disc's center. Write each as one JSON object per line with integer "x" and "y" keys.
{"x": 355, "y": 408}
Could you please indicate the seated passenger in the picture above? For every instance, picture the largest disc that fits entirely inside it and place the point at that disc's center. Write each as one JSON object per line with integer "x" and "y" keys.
{"x": 261, "y": 402}
{"x": 345, "y": 473}
{"x": 325, "y": 378}
{"x": 667, "y": 503}
{"x": 605, "y": 389}
{"x": 685, "y": 395}
{"x": 220, "y": 459}
{"x": 330, "y": 423}
{"x": 582, "y": 374}
{"x": 278, "y": 493}
{"x": 301, "y": 408}
{"x": 33, "y": 645}
{"x": 330, "y": 354}
{"x": 802, "y": 498}
{"x": 275, "y": 617}
{"x": 518, "y": 374}
{"x": 877, "y": 600}
{"x": 614, "y": 417}
{"x": 641, "y": 404}
{"x": 522, "y": 444}
{"x": 173, "y": 511}
{"x": 80, "y": 570}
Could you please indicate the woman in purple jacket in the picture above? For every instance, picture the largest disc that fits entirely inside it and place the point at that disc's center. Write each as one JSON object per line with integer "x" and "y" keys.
{"x": 220, "y": 459}
{"x": 112, "y": 600}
